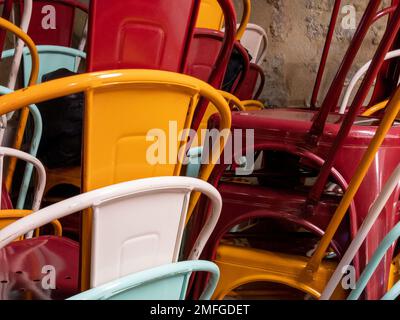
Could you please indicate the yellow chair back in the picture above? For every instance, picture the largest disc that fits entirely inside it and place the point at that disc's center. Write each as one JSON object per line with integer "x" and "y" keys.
{"x": 122, "y": 108}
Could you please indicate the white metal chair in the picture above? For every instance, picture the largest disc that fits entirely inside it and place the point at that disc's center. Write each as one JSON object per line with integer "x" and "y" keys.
{"x": 137, "y": 225}
{"x": 345, "y": 101}
{"x": 41, "y": 177}
{"x": 10, "y": 215}
{"x": 255, "y": 40}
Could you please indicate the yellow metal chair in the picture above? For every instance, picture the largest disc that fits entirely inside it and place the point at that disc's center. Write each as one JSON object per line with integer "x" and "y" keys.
{"x": 127, "y": 113}
{"x": 23, "y": 117}
{"x": 253, "y": 105}
{"x": 376, "y": 108}
{"x": 211, "y": 16}
{"x": 242, "y": 265}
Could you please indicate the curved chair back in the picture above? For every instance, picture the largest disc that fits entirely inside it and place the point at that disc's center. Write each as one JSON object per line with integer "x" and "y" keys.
{"x": 41, "y": 180}
{"x": 8, "y": 215}
{"x": 168, "y": 282}
{"x": 211, "y": 16}
{"x": 140, "y": 34}
{"x": 51, "y": 59}
{"x": 130, "y": 234}
{"x": 255, "y": 40}
{"x": 121, "y": 135}
{"x": 52, "y": 22}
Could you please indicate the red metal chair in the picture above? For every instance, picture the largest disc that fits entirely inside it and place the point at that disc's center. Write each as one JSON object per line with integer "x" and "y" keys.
{"x": 388, "y": 75}
{"x": 315, "y": 137}
{"x": 140, "y": 34}
{"x": 247, "y": 91}
{"x": 53, "y": 21}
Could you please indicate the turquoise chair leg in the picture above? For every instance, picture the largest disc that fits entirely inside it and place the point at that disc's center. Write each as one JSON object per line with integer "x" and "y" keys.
{"x": 37, "y": 136}
{"x": 387, "y": 242}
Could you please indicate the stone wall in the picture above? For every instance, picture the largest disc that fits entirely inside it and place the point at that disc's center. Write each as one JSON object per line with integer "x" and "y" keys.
{"x": 297, "y": 31}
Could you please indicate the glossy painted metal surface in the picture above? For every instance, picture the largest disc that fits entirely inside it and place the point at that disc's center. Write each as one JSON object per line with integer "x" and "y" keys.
{"x": 171, "y": 95}
{"x": 241, "y": 266}
{"x": 358, "y": 240}
{"x": 140, "y": 34}
{"x": 332, "y": 97}
{"x": 249, "y": 90}
{"x": 290, "y": 127}
{"x": 255, "y": 40}
{"x": 6, "y": 25}
{"x": 205, "y": 49}
{"x": 212, "y": 16}
{"x": 52, "y": 21}
{"x": 207, "y": 46}
{"x": 22, "y": 268}
{"x": 113, "y": 256}
{"x": 325, "y": 52}
{"x": 168, "y": 282}
{"x": 358, "y": 75}
{"x": 359, "y": 178}
{"x": 378, "y": 60}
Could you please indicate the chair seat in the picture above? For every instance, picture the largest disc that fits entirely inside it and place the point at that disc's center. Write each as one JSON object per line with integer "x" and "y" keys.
{"x": 21, "y": 265}
{"x": 70, "y": 175}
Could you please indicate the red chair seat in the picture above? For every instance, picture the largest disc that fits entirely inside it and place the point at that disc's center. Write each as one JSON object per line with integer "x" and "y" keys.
{"x": 21, "y": 265}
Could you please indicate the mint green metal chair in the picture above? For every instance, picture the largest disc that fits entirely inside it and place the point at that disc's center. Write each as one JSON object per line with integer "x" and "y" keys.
{"x": 52, "y": 58}
{"x": 168, "y": 282}
{"x": 387, "y": 242}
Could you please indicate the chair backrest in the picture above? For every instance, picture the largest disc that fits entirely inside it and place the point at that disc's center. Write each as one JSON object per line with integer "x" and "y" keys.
{"x": 255, "y": 40}
{"x": 130, "y": 233}
{"x": 210, "y": 15}
{"x": 168, "y": 282}
{"x": 123, "y": 140}
{"x": 52, "y": 21}
{"x": 140, "y": 34}
{"x": 51, "y": 59}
